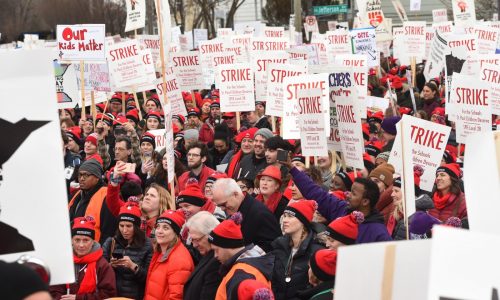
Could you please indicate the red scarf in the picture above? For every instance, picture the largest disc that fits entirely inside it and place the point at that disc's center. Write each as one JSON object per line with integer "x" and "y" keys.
{"x": 440, "y": 201}
{"x": 272, "y": 202}
{"x": 234, "y": 164}
{"x": 391, "y": 224}
{"x": 88, "y": 284}
{"x": 208, "y": 206}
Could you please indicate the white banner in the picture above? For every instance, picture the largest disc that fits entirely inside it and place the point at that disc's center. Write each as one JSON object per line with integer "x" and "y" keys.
{"x": 125, "y": 64}
{"x": 439, "y": 15}
{"x": 357, "y": 63}
{"x": 312, "y": 122}
{"x": 151, "y": 42}
{"x": 487, "y": 39}
{"x": 365, "y": 43}
{"x": 81, "y": 42}
{"x": 136, "y": 14}
{"x": 199, "y": 35}
{"x": 209, "y": 49}
{"x": 276, "y": 73}
{"x": 414, "y": 38}
{"x": 188, "y": 70}
{"x": 235, "y": 83}
{"x": 339, "y": 42}
{"x": 491, "y": 73}
{"x": 260, "y": 65}
{"x": 174, "y": 93}
{"x": 464, "y": 11}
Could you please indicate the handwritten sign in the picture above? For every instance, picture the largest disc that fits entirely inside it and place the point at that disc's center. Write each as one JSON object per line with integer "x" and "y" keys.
{"x": 81, "y": 42}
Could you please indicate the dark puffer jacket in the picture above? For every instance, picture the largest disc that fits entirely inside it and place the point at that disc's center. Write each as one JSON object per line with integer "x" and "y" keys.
{"x": 128, "y": 283}
{"x": 299, "y": 268}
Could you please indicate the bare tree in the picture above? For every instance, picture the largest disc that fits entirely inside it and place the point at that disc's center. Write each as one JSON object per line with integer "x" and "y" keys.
{"x": 235, "y": 4}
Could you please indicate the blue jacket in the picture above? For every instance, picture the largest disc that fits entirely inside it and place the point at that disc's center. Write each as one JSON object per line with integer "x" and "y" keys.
{"x": 371, "y": 230}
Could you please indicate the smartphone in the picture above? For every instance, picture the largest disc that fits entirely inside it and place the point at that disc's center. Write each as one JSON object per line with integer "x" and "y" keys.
{"x": 118, "y": 255}
{"x": 129, "y": 168}
{"x": 282, "y": 155}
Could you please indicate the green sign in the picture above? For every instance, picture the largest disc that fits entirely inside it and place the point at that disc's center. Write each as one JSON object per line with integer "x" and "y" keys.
{"x": 330, "y": 10}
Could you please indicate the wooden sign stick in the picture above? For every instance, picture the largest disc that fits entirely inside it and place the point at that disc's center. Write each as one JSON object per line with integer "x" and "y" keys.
{"x": 123, "y": 103}
{"x": 388, "y": 275}
{"x": 82, "y": 88}
{"x": 238, "y": 121}
{"x": 308, "y": 162}
{"x": 273, "y": 123}
{"x": 92, "y": 104}
{"x": 137, "y": 103}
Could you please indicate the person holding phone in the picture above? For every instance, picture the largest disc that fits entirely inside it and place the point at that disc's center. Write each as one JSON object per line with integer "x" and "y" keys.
{"x": 129, "y": 252}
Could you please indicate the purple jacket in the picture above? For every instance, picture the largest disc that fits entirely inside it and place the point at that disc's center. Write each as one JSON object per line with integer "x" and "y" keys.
{"x": 371, "y": 230}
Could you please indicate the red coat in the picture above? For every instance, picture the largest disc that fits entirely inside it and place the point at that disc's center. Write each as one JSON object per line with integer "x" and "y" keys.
{"x": 167, "y": 275}
{"x": 207, "y": 132}
{"x": 455, "y": 207}
{"x": 204, "y": 174}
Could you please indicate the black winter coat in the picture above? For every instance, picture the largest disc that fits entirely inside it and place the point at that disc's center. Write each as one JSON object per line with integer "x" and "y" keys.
{"x": 298, "y": 270}
{"x": 204, "y": 280}
{"x": 259, "y": 226}
{"x": 130, "y": 284}
{"x": 250, "y": 166}
{"x": 322, "y": 291}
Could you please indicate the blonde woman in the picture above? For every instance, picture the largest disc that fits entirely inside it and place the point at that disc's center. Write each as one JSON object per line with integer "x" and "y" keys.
{"x": 156, "y": 200}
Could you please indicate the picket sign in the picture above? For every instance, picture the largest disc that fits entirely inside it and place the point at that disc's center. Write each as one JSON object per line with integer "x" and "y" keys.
{"x": 312, "y": 123}
{"x": 136, "y": 15}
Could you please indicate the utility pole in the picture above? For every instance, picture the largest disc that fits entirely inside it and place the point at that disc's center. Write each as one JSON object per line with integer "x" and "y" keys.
{"x": 297, "y": 10}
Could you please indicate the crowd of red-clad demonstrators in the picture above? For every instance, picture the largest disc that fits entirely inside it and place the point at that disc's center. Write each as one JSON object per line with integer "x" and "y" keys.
{"x": 258, "y": 227}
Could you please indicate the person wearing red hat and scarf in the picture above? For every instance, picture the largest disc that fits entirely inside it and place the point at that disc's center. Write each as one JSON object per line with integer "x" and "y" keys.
{"x": 246, "y": 139}
{"x": 448, "y": 197}
{"x": 205, "y": 109}
{"x": 269, "y": 186}
{"x": 95, "y": 279}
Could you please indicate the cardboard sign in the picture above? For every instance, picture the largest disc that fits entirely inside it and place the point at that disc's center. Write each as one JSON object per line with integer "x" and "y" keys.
{"x": 188, "y": 70}
{"x": 464, "y": 11}
{"x": 312, "y": 123}
{"x": 351, "y": 135}
{"x": 276, "y": 73}
{"x": 482, "y": 157}
{"x": 414, "y": 38}
{"x": 136, "y": 14}
{"x": 435, "y": 63}
{"x": 199, "y": 35}
{"x": 439, "y": 15}
{"x": 274, "y": 32}
{"x": 260, "y": 65}
{"x": 224, "y": 32}
{"x": 358, "y": 64}
{"x": 491, "y": 74}
{"x": 338, "y": 42}
{"x": 235, "y": 83}
{"x": 36, "y": 219}
{"x": 66, "y": 85}
{"x": 125, "y": 63}
{"x": 487, "y": 39}
{"x": 159, "y": 135}
{"x": 392, "y": 270}
{"x": 319, "y": 40}
{"x": 209, "y": 49}
{"x": 364, "y": 42}
{"x": 81, "y": 42}
{"x": 96, "y": 77}
{"x": 186, "y": 41}
{"x": 470, "y": 104}
{"x": 174, "y": 93}
{"x": 151, "y": 42}
{"x": 292, "y": 87}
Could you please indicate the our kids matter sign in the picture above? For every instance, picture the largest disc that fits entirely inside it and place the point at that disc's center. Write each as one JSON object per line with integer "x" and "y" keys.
{"x": 81, "y": 42}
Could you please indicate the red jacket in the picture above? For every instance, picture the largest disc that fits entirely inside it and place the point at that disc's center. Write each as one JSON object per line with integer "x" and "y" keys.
{"x": 207, "y": 132}
{"x": 204, "y": 174}
{"x": 167, "y": 275}
{"x": 455, "y": 207}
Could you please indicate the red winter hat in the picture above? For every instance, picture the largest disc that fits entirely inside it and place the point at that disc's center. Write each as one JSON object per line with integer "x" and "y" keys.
{"x": 366, "y": 131}
{"x": 92, "y": 138}
{"x": 117, "y": 97}
{"x": 215, "y": 103}
{"x": 206, "y": 100}
{"x": 396, "y": 83}
{"x": 149, "y": 138}
{"x": 339, "y": 194}
{"x": 228, "y": 233}
{"x": 74, "y": 133}
{"x": 449, "y": 156}
{"x": 191, "y": 194}
{"x": 374, "y": 148}
{"x": 368, "y": 161}
{"x": 84, "y": 226}
{"x": 324, "y": 264}
{"x": 438, "y": 111}
{"x": 155, "y": 99}
{"x": 180, "y": 118}
{"x": 375, "y": 117}
{"x": 405, "y": 111}
{"x": 452, "y": 169}
{"x": 120, "y": 120}
{"x": 345, "y": 229}
{"x": 100, "y": 107}
{"x": 133, "y": 115}
{"x": 394, "y": 71}
{"x": 302, "y": 210}
{"x": 247, "y": 134}
{"x": 194, "y": 112}
{"x": 229, "y": 115}
{"x": 155, "y": 115}
{"x": 106, "y": 118}
{"x": 372, "y": 72}
{"x": 130, "y": 212}
{"x": 216, "y": 175}
{"x": 271, "y": 171}
{"x": 174, "y": 218}
{"x": 348, "y": 178}
{"x": 251, "y": 289}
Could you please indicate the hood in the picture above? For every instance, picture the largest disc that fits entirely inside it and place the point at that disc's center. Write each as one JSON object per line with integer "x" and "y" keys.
{"x": 374, "y": 217}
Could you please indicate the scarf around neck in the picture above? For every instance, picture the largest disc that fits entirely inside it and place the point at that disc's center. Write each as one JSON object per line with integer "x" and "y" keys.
{"x": 89, "y": 282}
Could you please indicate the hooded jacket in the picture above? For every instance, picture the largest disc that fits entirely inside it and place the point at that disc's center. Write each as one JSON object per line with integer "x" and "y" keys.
{"x": 371, "y": 230}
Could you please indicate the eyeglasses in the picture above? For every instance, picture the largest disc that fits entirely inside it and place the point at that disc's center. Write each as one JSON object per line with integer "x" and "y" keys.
{"x": 197, "y": 240}
{"x": 243, "y": 187}
{"x": 84, "y": 175}
{"x": 193, "y": 155}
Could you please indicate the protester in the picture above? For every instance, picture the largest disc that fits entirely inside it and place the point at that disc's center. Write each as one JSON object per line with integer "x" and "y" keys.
{"x": 448, "y": 197}
{"x": 322, "y": 270}
{"x": 252, "y": 164}
{"x": 171, "y": 264}
{"x": 269, "y": 191}
{"x": 156, "y": 201}
{"x": 197, "y": 155}
{"x": 95, "y": 279}
{"x": 343, "y": 231}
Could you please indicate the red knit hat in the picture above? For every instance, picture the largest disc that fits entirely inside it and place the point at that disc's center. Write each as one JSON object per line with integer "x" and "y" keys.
{"x": 206, "y": 100}
{"x": 345, "y": 229}
{"x": 396, "y": 83}
{"x": 452, "y": 169}
{"x": 149, "y": 138}
{"x": 324, "y": 264}
{"x": 194, "y": 112}
{"x": 215, "y": 103}
{"x": 366, "y": 131}
{"x": 130, "y": 212}
{"x": 174, "y": 218}
{"x": 133, "y": 115}
{"x": 251, "y": 289}
{"x": 302, "y": 210}
{"x": 191, "y": 194}
{"x": 228, "y": 233}
{"x": 375, "y": 117}
{"x": 348, "y": 178}
{"x": 247, "y": 134}
{"x": 74, "y": 133}
{"x": 100, "y": 107}
{"x": 155, "y": 99}
{"x": 216, "y": 175}
{"x": 84, "y": 226}
{"x": 92, "y": 138}
{"x": 155, "y": 115}
{"x": 374, "y": 148}
{"x": 405, "y": 110}
{"x": 180, "y": 118}
{"x": 339, "y": 194}
{"x": 271, "y": 171}
{"x": 449, "y": 156}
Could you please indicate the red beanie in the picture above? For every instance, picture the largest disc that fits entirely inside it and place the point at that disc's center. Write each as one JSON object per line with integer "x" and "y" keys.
{"x": 366, "y": 131}
{"x": 191, "y": 194}
{"x": 251, "y": 289}
{"x": 133, "y": 115}
{"x": 247, "y": 134}
{"x": 130, "y": 212}
{"x": 339, "y": 194}
{"x": 324, "y": 264}
{"x": 345, "y": 229}
{"x": 302, "y": 210}
{"x": 92, "y": 138}
{"x": 348, "y": 178}
{"x": 74, "y": 133}
{"x": 396, "y": 83}
{"x": 206, "y": 100}
{"x": 154, "y": 115}
{"x": 84, "y": 226}
{"x": 174, "y": 218}
{"x": 216, "y": 175}
{"x": 452, "y": 169}
{"x": 149, "y": 138}
{"x": 228, "y": 233}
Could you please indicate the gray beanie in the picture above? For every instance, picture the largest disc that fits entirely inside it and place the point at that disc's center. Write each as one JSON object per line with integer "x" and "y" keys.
{"x": 191, "y": 134}
{"x": 93, "y": 167}
{"x": 384, "y": 155}
{"x": 266, "y": 133}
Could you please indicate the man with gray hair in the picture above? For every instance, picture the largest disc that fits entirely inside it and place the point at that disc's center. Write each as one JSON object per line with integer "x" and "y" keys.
{"x": 205, "y": 279}
{"x": 259, "y": 226}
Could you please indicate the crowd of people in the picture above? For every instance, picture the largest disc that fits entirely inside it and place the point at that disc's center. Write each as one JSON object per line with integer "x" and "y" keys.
{"x": 240, "y": 223}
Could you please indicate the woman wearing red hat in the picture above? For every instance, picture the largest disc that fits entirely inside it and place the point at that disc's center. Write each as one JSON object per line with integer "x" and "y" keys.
{"x": 153, "y": 121}
{"x": 449, "y": 200}
{"x": 293, "y": 250}
{"x": 95, "y": 278}
{"x": 129, "y": 252}
{"x": 343, "y": 231}
{"x": 322, "y": 270}
{"x": 269, "y": 186}
{"x": 171, "y": 264}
